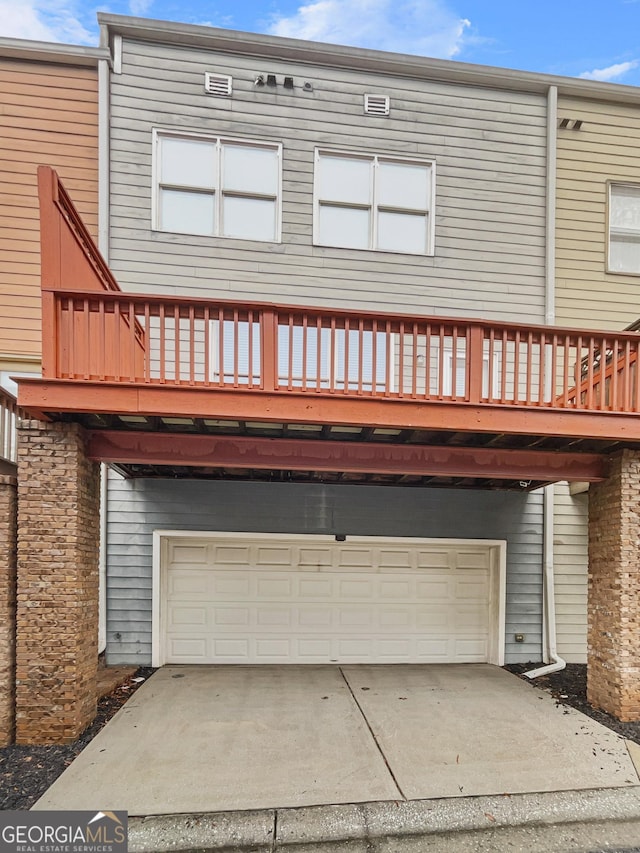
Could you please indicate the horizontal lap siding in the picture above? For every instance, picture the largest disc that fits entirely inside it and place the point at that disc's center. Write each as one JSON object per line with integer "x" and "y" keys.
{"x": 490, "y": 208}
{"x": 570, "y": 569}
{"x": 604, "y": 149}
{"x": 138, "y": 507}
{"x": 49, "y": 117}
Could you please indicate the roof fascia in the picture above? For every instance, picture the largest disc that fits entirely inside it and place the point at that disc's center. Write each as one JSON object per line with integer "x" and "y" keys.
{"x": 360, "y": 59}
{"x": 60, "y": 54}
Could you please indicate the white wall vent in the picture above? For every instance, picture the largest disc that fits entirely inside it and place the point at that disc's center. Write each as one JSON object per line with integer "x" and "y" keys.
{"x": 218, "y": 84}
{"x": 376, "y": 105}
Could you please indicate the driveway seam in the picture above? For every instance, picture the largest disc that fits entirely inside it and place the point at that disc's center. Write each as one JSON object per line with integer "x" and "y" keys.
{"x": 375, "y": 739}
{"x": 274, "y": 840}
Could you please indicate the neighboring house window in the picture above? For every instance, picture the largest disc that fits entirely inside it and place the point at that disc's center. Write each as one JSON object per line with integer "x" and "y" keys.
{"x": 461, "y": 373}
{"x": 316, "y": 364}
{"x": 374, "y": 202}
{"x": 624, "y": 228}
{"x": 217, "y": 187}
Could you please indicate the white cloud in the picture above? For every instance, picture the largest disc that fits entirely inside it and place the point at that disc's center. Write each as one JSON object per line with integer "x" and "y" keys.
{"x": 140, "y": 7}
{"x": 423, "y": 27}
{"x": 44, "y": 20}
{"x": 612, "y": 72}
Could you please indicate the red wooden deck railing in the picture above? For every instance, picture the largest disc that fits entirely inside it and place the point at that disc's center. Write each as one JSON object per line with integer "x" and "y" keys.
{"x": 9, "y": 415}
{"x": 93, "y": 332}
{"x": 112, "y": 336}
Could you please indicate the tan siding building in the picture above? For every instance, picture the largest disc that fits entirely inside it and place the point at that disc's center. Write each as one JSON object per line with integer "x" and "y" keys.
{"x": 600, "y": 152}
{"x": 49, "y": 106}
{"x": 604, "y": 150}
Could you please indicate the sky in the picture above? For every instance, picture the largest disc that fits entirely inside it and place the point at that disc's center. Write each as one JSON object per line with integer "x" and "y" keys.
{"x": 594, "y": 39}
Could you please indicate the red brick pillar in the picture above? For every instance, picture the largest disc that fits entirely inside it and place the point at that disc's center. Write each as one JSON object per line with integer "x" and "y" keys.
{"x": 57, "y": 620}
{"x": 613, "y": 673}
{"x": 8, "y": 535}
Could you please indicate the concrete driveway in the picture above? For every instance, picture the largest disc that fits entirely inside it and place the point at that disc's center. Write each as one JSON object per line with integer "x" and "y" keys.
{"x": 204, "y": 739}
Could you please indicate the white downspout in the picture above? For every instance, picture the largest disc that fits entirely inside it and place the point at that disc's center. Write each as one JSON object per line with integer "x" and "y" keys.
{"x": 103, "y": 245}
{"x": 548, "y": 592}
{"x": 102, "y": 561}
{"x": 548, "y": 595}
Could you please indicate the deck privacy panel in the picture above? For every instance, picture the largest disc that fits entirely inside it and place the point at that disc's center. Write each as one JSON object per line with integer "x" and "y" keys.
{"x": 138, "y": 507}
{"x": 489, "y": 148}
{"x": 570, "y": 524}
{"x": 49, "y": 117}
{"x": 605, "y": 149}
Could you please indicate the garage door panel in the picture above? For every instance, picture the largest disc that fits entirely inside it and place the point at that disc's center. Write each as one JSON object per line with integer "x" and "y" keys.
{"x": 235, "y": 555}
{"x": 270, "y": 556}
{"x": 472, "y": 588}
{"x": 187, "y": 616}
{"x": 315, "y": 558}
{"x": 396, "y": 559}
{"x": 184, "y": 650}
{"x": 434, "y": 590}
{"x": 329, "y": 603}
{"x": 314, "y": 588}
{"x": 183, "y": 554}
{"x": 467, "y": 559}
{"x": 434, "y": 559}
{"x": 230, "y": 585}
{"x": 185, "y": 583}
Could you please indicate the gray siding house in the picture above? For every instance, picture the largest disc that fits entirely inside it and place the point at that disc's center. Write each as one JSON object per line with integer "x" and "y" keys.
{"x": 253, "y": 168}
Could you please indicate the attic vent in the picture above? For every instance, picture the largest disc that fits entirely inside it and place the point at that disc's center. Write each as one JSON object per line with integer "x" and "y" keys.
{"x": 218, "y": 84}
{"x": 376, "y": 105}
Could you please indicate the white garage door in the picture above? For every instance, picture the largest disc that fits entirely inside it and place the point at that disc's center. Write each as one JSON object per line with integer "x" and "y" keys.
{"x": 245, "y": 598}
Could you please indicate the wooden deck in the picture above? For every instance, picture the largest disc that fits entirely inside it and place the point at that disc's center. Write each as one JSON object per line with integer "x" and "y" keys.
{"x": 123, "y": 361}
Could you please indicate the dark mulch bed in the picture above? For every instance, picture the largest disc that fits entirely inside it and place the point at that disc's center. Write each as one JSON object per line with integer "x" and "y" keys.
{"x": 27, "y": 771}
{"x": 569, "y": 687}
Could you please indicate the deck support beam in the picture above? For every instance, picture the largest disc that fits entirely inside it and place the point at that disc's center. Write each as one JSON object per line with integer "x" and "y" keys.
{"x": 157, "y": 448}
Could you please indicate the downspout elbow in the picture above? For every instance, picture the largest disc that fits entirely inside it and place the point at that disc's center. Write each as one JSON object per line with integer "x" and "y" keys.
{"x": 557, "y": 664}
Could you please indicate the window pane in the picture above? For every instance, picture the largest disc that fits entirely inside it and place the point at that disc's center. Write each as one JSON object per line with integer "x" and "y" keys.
{"x": 402, "y": 232}
{"x": 189, "y": 162}
{"x": 249, "y": 218}
{"x": 625, "y": 208}
{"x": 403, "y": 185}
{"x": 624, "y": 254}
{"x": 344, "y": 179}
{"x": 187, "y": 212}
{"x": 250, "y": 170}
{"x": 344, "y": 226}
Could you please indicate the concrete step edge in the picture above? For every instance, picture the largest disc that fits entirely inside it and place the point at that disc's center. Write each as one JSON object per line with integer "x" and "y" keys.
{"x": 275, "y": 829}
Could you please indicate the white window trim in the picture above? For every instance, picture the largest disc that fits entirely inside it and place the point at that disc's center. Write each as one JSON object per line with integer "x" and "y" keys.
{"x": 610, "y": 186}
{"x": 159, "y": 133}
{"x": 375, "y": 158}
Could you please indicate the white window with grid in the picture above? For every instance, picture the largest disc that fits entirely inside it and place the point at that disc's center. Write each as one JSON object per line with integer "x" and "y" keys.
{"x": 374, "y": 202}
{"x": 217, "y": 187}
{"x": 624, "y": 228}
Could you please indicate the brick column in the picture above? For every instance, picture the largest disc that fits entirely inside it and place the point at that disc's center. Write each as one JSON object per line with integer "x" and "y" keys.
{"x": 57, "y": 620}
{"x": 8, "y": 536}
{"x": 613, "y": 675}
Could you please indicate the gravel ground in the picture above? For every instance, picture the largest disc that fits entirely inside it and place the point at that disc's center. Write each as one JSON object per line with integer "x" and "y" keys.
{"x": 569, "y": 687}
{"x": 27, "y": 771}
